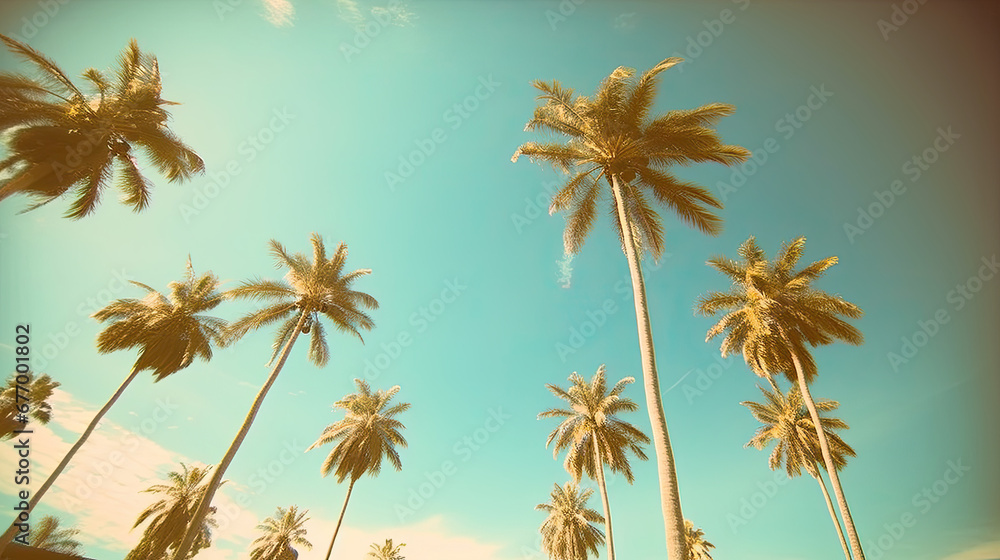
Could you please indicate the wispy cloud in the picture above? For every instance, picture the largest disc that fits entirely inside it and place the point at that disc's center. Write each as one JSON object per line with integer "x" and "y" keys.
{"x": 358, "y": 14}
{"x": 565, "y": 270}
{"x": 984, "y": 551}
{"x": 279, "y": 12}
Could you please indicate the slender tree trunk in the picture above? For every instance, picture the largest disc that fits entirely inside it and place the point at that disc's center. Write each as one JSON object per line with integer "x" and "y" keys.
{"x": 599, "y": 466}
{"x": 831, "y": 469}
{"x": 12, "y": 530}
{"x": 670, "y": 500}
{"x": 206, "y": 500}
{"x": 833, "y": 514}
{"x": 341, "y": 518}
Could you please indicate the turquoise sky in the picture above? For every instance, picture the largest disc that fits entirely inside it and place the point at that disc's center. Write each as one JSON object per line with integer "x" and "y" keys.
{"x": 304, "y": 113}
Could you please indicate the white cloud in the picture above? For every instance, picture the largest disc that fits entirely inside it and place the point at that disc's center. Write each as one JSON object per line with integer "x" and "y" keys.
{"x": 985, "y": 551}
{"x": 279, "y": 12}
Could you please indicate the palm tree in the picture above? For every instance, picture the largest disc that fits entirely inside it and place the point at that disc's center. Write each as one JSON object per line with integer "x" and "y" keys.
{"x": 772, "y": 313}
{"x": 568, "y": 533}
{"x": 368, "y": 432}
{"x": 593, "y": 436}
{"x": 169, "y": 331}
{"x": 386, "y": 551}
{"x": 35, "y": 393}
{"x": 47, "y": 535}
{"x": 168, "y": 516}
{"x": 698, "y": 547}
{"x": 280, "y": 532}
{"x": 310, "y": 291}
{"x": 60, "y": 139}
{"x": 787, "y": 422}
{"x": 611, "y": 137}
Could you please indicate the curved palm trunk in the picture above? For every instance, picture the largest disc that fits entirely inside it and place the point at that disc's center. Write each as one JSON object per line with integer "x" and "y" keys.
{"x": 670, "y": 500}
{"x": 12, "y": 530}
{"x": 831, "y": 470}
{"x": 341, "y": 518}
{"x": 833, "y": 514}
{"x": 206, "y": 500}
{"x": 604, "y": 501}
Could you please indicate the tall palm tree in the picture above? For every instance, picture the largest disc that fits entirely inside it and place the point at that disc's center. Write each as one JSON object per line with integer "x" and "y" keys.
{"x": 787, "y": 422}
{"x": 35, "y": 393}
{"x": 61, "y": 139}
{"x": 47, "y": 535}
{"x": 612, "y": 138}
{"x": 698, "y": 547}
{"x": 387, "y": 551}
{"x": 280, "y": 532}
{"x": 772, "y": 312}
{"x": 569, "y": 533}
{"x": 368, "y": 432}
{"x": 593, "y": 436}
{"x": 309, "y": 292}
{"x": 169, "y": 331}
{"x": 168, "y": 516}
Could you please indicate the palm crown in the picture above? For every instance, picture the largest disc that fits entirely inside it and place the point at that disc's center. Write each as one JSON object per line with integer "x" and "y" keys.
{"x": 698, "y": 547}
{"x": 568, "y": 533}
{"x": 773, "y": 310}
{"x": 60, "y": 138}
{"x": 280, "y": 533}
{"x": 591, "y": 420}
{"x": 368, "y": 432}
{"x": 317, "y": 289}
{"x": 786, "y": 421}
{"x": 168, "y": 516}
{"x": 47, "y": 535}
{"x": 169, "y": 330}
{"x": 612, "y": 138}
{"x": 39, "y": 391}
{"x": 387, "y": 551}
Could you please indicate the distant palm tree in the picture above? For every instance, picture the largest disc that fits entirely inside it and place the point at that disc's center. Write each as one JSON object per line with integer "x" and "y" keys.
{"x": 698, "y": 547}
{"x": 35, "y": 393}
{"x": 60, "y": 138}
{"x": 568, "y": 533}
{"x": 280, "y": 532}
{"x": 613, "y": 140}
{"x": 772, "y": 313}
{"x": 386, "y": 551}
{"x": 170, "y": 331}
{"x": 368, "y": 432}
{"x": 47, "y": 535}
{"x": 310, "y": 291}
{"x": 787, "y": 422}
{"x": 168, "y": 516}
{"x": 593, "y": 436}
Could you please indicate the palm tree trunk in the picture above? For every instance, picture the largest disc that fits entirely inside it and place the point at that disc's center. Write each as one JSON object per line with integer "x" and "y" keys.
{"x": 12, "y": 530}
{"x": 341, "y": 518}
{"x": 670, "y": 500}
{"x": 206, "y": 500}
{"x": 833, "y": 514}
{"x": 599, "y": 466}
{"x": 831, "y": 470}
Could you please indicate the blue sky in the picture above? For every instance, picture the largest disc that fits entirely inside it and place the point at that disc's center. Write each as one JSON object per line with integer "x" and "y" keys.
{"x": 305, "y": 114}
